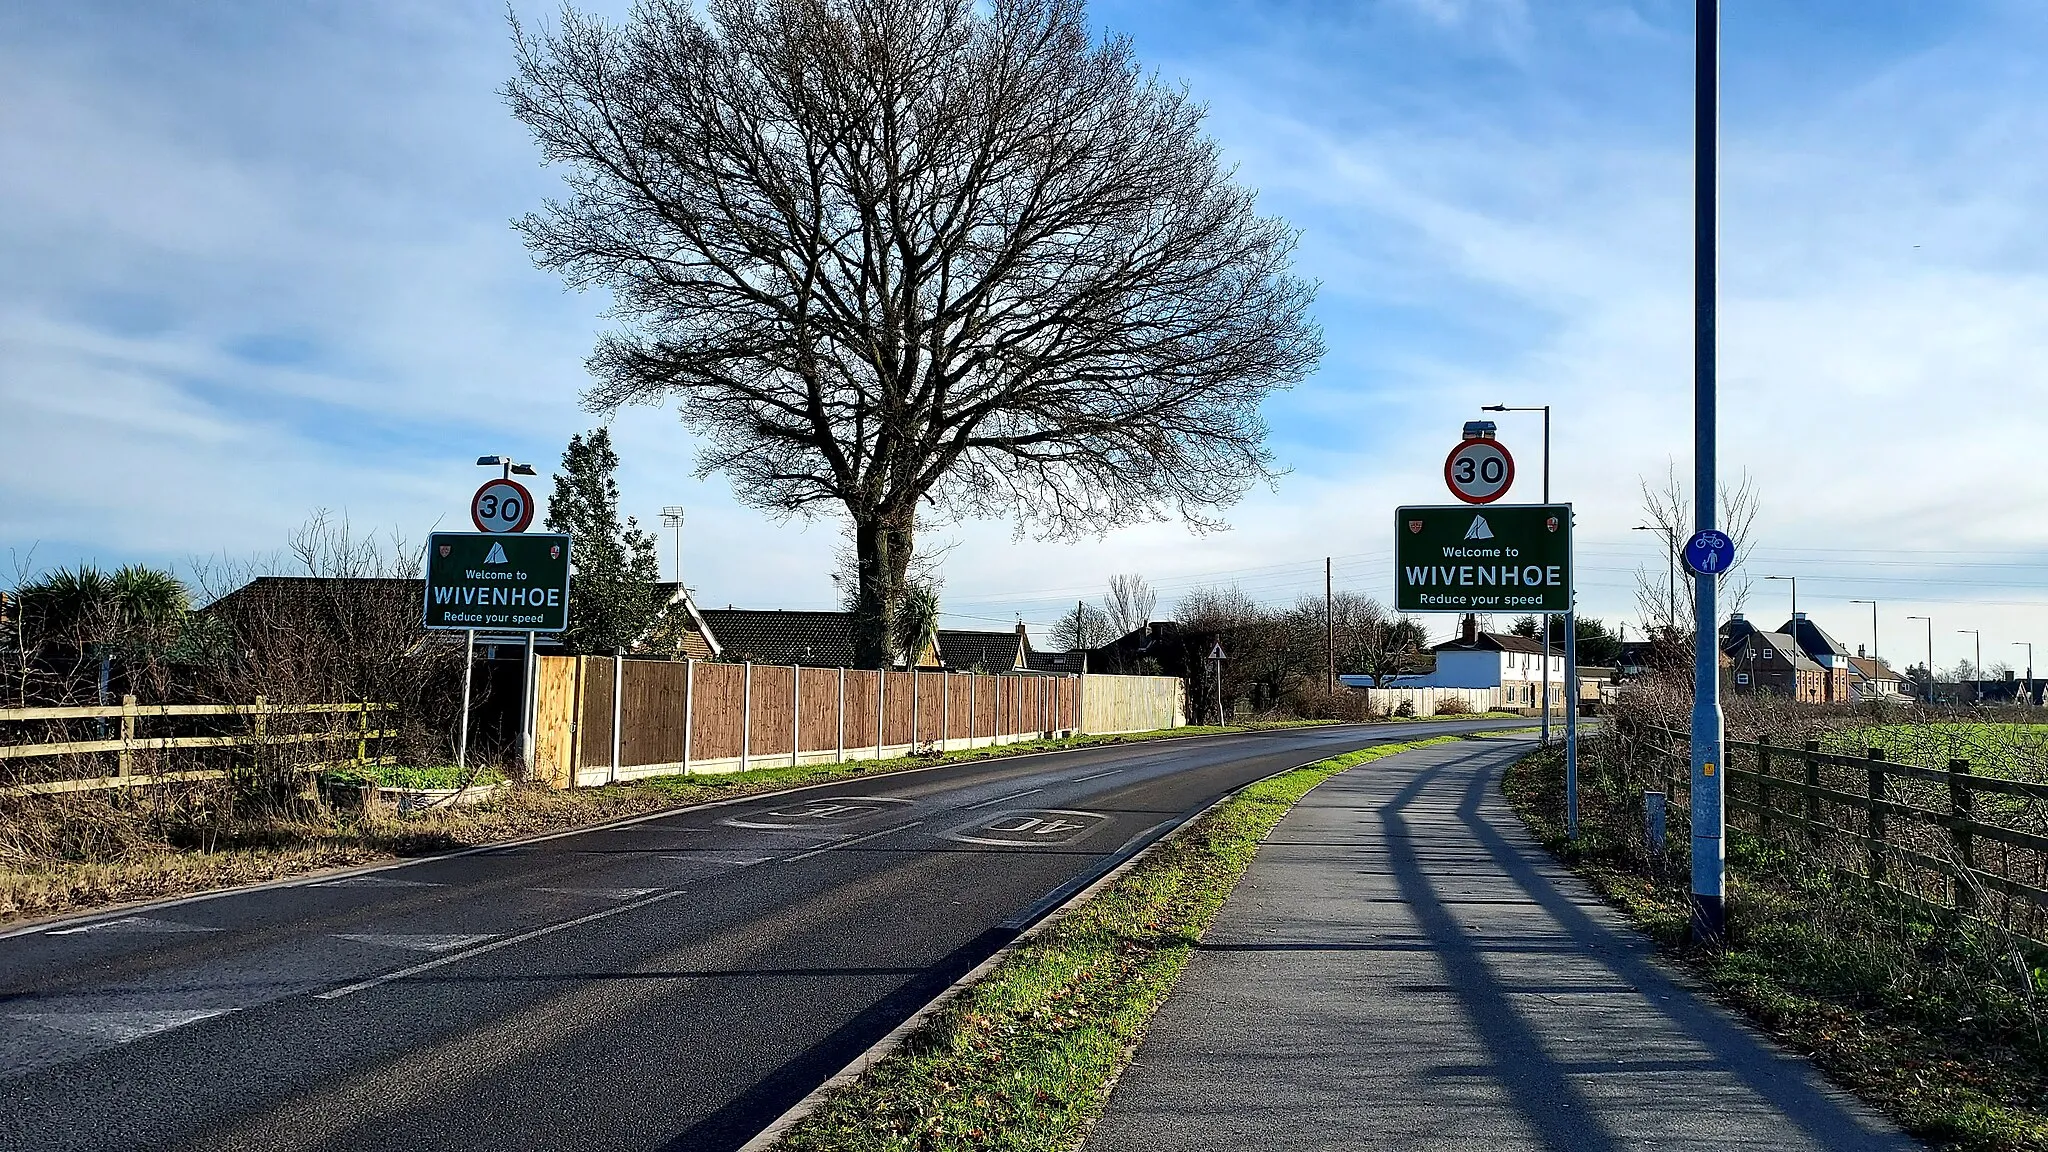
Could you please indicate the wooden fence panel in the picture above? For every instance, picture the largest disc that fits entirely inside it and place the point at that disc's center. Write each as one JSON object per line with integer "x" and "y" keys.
{"x": 860, "y": 714}
{"x": 655, "y": 696}
{"x": 594, "y": 740}
{"x": 555, "y": 720}
{"x": 819, "y": 708}
{"x": 715, "y": 713}
{"x": 896, "y": 712}
{"x": 774, "y": 712}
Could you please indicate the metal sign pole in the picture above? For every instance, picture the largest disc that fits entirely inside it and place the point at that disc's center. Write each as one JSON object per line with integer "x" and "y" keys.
{"x": 462, "y": 737}
{"x": 1571, "y": 725}
{"x": 1709, "y": 879}
{"x": 528, "y": 711}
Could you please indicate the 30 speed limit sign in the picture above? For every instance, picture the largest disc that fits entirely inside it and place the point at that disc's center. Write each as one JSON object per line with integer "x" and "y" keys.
{"x": 1479, "y": 471}
{"x": 501, "y": 506}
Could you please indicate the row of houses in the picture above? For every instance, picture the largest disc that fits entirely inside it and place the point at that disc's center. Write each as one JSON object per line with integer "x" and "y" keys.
{"x": 1800, "y": 661}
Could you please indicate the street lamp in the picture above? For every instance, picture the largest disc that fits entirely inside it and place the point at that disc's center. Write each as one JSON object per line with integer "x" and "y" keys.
{"x": 1670, "y": 569}
{"x": 2029, "y": 646}
{"x": 1873, "y": 626}
{"x": 505, "y": 462}
{"x": 1545, "y": 409}
{"x": 1977, "y": 665}
{"x": 672, "y": 517}
{"x": 1930, "y": 656}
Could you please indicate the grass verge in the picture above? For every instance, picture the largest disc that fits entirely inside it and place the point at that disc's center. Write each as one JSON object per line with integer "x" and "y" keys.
{"x": 74, "y": 853}
{"x": 1025, "y": 1058}
{"x": 1929, "y": 1022}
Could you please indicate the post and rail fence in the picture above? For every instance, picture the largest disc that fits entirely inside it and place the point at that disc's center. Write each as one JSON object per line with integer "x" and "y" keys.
{"x": 1949, "y": 839}
{"x": 129, "y": 718}
{"x": 604, "y": 719}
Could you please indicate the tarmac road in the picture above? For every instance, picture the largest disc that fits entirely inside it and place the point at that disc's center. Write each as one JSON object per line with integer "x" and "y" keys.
{"x": 675, "y": 982}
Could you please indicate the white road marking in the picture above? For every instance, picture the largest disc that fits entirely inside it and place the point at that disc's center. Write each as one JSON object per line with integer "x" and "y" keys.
{"x": 607, "y": 893}
{"x": 132, "y": 924}
{"x": 120, "y": 1027}
{"x": 375, "y": 882}
{"x": 1097, "y": 776}
{"x": 728, "y": 861}
{"x": 494, "y": 945}
{"x": 1000, "y": 799}
{"x": 849, "y": 843}
{"x": 418, "y": 941}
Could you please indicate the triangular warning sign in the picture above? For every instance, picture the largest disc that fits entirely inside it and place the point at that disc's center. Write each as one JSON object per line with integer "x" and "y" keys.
{"x": 496, "y": 555}
{"x": 1479, "y": 530}
{"x": 1216, "y": 652}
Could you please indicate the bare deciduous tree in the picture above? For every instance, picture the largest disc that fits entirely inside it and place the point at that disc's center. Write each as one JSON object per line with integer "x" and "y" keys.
{"x": 884, "y": 251}
{"x": 1664, "y": 596}
{"x": 1129, "y": 603}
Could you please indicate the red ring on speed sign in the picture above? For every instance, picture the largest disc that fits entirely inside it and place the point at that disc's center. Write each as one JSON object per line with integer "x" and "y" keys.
{"x": 501, "y": 506}
{"x": 1479, "y": 471}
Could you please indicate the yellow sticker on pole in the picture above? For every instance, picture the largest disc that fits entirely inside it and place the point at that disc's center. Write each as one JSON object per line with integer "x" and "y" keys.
{"x": 1708, "y": 768}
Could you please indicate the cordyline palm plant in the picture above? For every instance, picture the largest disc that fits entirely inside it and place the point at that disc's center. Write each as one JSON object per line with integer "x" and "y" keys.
{"x": 77, "y": 624}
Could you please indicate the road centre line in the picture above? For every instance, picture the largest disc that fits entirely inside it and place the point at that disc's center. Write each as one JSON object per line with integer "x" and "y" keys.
{"x": 1000, "y": 799}
{"x": 494, "y": 945}
{"x": 848, "y": 843}
{"x": 1097, "y": 776}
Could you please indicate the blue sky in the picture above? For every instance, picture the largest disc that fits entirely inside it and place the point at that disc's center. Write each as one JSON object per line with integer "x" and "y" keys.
{"x": 258, "y": 261}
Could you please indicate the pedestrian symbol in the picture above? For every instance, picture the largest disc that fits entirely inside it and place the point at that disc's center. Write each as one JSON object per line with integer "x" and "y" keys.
{"x": 1709, "y": 553}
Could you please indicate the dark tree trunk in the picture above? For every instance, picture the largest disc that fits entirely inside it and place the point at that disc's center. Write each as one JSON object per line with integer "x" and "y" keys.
{"x": 882, "y": 545}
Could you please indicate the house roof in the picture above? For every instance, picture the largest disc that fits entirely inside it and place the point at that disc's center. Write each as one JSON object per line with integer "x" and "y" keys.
{"x": 1499, "y": 642}
{"x": 813, "y": 639}
{"x": 1812, "y": 638}
{"x": 1874, "y": 669}
{"x": 994, "y": 651}
{"x": 1785, "y": 648}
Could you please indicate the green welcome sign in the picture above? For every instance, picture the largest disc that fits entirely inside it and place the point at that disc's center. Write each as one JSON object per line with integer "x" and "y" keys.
{"x": 1490, "y": 558}
{"x": 498, "y": 581}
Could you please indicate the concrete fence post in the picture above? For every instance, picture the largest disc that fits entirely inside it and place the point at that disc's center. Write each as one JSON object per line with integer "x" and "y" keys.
{"x": 913, "y": 711}
{"x": 746, "y": 712}
{"x": 945, "y": 709}
{"x": 881, "y": 707}
{"x": 796, "y": 711}
{"x": 839, "y": 711}
{"x": 689, "y": 708}
{"x": 618, "y": 714}
{"x": 973, "y": 683}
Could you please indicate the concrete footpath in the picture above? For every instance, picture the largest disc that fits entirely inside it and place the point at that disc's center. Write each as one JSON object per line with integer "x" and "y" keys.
{"x": 1404, "y": 967}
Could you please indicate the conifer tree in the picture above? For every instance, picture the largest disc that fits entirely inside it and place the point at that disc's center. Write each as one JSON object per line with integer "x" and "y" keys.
{"x": 614, "y": 593}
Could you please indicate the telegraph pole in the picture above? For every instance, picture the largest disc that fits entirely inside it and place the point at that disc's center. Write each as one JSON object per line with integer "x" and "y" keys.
{"x": 1709, "y": 860}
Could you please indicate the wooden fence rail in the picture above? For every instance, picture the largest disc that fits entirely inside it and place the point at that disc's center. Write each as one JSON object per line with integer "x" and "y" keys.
{"x": 1918, "y": 831}
{"x": 125, "y": 746}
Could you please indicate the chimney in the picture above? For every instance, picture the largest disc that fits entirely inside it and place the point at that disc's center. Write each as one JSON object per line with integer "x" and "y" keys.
{"x": 1734, "y": 617}
{"x": 1471, "y": 633}
{"x": 1799, "y": 615}
{"x": 1860, "y": 654}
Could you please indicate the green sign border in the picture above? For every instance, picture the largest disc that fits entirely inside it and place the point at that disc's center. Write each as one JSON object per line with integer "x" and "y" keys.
{"x": 1510, "y": 536}
{"x": 518, "y": 542}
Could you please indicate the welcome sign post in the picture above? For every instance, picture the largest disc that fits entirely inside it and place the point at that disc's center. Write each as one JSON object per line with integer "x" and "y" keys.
{"x": 508, "y": 581}
{"x": 1499, "y": 558}
{"x": 498, "y": 581}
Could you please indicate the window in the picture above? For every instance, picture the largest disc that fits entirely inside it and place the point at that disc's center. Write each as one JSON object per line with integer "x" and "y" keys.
{"x": 1768, "y": 653}
{"x": 1742, "y": 677}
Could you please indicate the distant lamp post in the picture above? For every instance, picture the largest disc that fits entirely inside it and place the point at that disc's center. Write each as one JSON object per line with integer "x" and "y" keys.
{"x": 2029, "y": 646}
{"x": 1873, "y": 626}
{"x": 1930, "y": 655}
{"x": 1976, "y": 665}
{"x": 1670, "y": 569}
{"x": 672, "y": 517}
